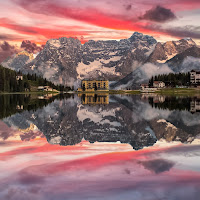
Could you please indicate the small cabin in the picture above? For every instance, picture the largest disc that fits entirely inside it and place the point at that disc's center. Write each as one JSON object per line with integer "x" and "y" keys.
{"x": 144, "y": 86}
{"x": 41, "y": 88}
{"x": 45, "y": 88}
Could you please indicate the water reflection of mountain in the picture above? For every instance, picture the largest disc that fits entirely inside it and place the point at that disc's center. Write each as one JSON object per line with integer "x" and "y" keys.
{"x": 128, "y": 119}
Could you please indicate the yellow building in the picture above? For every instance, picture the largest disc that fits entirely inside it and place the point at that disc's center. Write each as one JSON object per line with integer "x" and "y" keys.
{"x": 95, "y": 99}
{"x": 94, "y": 85}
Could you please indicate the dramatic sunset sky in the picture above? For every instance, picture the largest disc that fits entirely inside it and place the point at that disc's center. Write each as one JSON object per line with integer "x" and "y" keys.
{"x": 40, "y": 20}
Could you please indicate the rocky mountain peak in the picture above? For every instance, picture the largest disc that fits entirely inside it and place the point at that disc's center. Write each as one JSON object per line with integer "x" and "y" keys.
{"x": 139, "y": 36}
{"x": 190, "y": 41}
{"x": 63, "y": 42}
{"x": 166, "y": 51}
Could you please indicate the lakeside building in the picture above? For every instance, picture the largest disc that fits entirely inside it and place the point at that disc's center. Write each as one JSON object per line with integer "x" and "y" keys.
{"x": 195, "y": 77}
{"x": 94, "y": 85}
{"x": 45, "y": 88}
{"x": 158, "y": 84}
{"x": 144, "y": 86}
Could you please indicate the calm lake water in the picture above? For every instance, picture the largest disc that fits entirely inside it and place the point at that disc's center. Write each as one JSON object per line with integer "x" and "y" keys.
{"x": 99, "y": 147}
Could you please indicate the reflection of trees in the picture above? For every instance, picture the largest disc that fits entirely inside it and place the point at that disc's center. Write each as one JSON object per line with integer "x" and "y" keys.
{"x": 11, "y": 104}
{"x": 171, "y": 103}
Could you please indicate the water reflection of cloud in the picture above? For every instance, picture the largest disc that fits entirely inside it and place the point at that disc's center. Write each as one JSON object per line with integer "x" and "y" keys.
{"x": 91, "y": 171}
{"x": 157, "y": 165}
{"x": 25, "y": 178}
{"x": 148, "y": 113}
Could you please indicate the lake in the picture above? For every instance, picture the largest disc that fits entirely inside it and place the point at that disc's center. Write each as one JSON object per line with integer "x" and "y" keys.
{"x": 99, "y": 147}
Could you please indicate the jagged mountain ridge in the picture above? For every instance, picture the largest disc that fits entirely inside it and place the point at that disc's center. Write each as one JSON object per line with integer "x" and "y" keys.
{"x": 166, "y": 51}
{"x": 71, "y": 60}
{"x": 65, "y": 60}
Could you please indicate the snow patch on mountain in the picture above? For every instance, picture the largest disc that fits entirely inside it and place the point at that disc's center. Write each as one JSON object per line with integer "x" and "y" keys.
{"x": 115, "y": 58}
{"x": 54, "y": 42}
{"x": 168, "y": 58}
{"x": 99, "y": 116}
{"x": 83, "y": 70}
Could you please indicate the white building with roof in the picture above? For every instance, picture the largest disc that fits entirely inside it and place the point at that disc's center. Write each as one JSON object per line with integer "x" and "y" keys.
{"x": 195, "y": 77}
{"x": 158, "y": 84}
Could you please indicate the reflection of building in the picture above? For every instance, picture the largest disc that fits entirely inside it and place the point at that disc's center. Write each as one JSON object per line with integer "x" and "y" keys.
{"x": 158, "y": 84}
{"x": 156, "y": 98}
{"x": 159, "y": 99}
{"x": 94, "y": 85}
{"x": 195, "y": 105}
{"x": 95, "y": 99}
{"x": 195, "y": 77}
{"x": 47, "y": 96}
{"x": 19, "y": 107}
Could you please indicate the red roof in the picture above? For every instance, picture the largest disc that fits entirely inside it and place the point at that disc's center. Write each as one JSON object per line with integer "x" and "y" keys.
{"x": 157, "y": 82}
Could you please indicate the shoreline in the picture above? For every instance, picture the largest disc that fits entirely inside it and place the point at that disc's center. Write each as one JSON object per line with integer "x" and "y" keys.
{"x": 34, "y": 92}
{"x": 165, "y": 91}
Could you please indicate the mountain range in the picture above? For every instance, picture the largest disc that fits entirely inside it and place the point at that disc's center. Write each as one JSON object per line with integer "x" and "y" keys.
{"x": 127, "y": 62}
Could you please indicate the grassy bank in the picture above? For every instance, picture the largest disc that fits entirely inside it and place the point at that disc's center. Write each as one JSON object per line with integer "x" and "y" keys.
{"x": 179, "y": 91}
{"x": 32, "y": 93}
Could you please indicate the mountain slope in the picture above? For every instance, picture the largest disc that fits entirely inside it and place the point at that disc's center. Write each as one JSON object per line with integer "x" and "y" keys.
{"x": 182, "y": 62}
{"x": 186, "y": 61}
{"x": 16, "y": 61}
{"x": 65, "y": 60}
{"x": 141, "y": 75}
{"x": 166, "y": 51}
